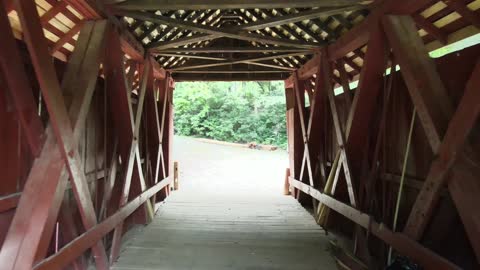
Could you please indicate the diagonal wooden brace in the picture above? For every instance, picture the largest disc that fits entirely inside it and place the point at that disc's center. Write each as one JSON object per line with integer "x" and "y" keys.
{"x": 42, "y": 206}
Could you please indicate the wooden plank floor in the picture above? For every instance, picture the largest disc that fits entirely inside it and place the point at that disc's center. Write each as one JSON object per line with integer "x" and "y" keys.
{"x": 228, "y": 214}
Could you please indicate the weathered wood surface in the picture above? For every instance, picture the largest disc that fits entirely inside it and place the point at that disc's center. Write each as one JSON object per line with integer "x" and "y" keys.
{"x": 228, "y": 216}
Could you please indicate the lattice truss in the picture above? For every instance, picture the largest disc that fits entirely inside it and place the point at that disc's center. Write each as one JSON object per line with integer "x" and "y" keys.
{"x": 277, "y": 40}
{"x": 273, "y": 41}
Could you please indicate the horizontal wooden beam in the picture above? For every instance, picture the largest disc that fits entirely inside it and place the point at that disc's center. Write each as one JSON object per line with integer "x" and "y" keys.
{"x": 231, "y": 4}
{"x": 398, "y": 241}
{"x": 192, "y": 56}
{"x": 250, "y": 60}
{"x": 228, "y": 50}
{"x": 75, "y": 248}
{"x": 231, "y": 77}
{"x": 159, "y": 46}
{"x": 11, "y": 201}
{"x": 228, "y": 71}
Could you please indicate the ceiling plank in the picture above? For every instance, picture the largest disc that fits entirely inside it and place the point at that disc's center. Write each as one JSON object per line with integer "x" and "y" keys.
{"x": 271, "y": 66}
{"x": 232, "y": 4}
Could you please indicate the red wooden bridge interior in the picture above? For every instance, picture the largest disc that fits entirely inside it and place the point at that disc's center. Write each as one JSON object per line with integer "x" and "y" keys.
{"x": 86, "y": 119}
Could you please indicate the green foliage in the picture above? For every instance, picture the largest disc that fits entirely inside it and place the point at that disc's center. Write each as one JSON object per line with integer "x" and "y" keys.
{"x": 232, "y": 111}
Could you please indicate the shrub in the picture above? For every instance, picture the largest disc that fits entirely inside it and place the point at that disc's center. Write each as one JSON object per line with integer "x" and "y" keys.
{"x": 232, "y": 111}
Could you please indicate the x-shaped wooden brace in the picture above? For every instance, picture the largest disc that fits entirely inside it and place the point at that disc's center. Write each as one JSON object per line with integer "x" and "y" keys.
{"x": 305, "y": 132}
{"x": 341, "y": 160}
{"x": 323, "y": 83}
{"x": 162, "y": 93}
{"x": 158, "y": 93}
{"x": 134, "y": 156}
{"x": 43, "y": 193}
{"x": 438, "y": 118}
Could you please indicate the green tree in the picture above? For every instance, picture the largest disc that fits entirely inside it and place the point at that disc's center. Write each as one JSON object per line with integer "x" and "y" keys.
{"x": 232, "y": 111}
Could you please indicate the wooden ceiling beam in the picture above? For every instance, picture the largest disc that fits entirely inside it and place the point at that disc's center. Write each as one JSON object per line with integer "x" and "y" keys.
{"x": 236, "y": 32}
{"x": 250, "y": 60}
{"x": 231, "y": 77}
{"x": 237, "y": 71}
{"x": 193, "y": 56}
{"x": 271, "y": 66}
{"x": 230, "y": 50}
{"x": 231, "y": 4}
{"x": 182, "y": 42}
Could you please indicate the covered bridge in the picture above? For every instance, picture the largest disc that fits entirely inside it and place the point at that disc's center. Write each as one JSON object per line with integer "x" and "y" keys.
{"x": 383, "y": 137}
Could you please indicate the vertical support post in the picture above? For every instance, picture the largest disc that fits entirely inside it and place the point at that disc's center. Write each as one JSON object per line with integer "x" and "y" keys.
{"x": 366, "y": 95}
{"x": 10, "y": 142}
{"x": 295, "y": 141}
{"x": 17, "y": 83}
{"x": 175, "y": 175}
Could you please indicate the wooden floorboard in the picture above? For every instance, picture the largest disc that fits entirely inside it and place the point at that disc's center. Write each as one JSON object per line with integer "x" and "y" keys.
{"x": 220, "y": 220}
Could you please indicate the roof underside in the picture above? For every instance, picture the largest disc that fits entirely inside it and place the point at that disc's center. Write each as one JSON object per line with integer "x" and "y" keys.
{"x": 245, "y": 39}
{"x": 240, "y": 40}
